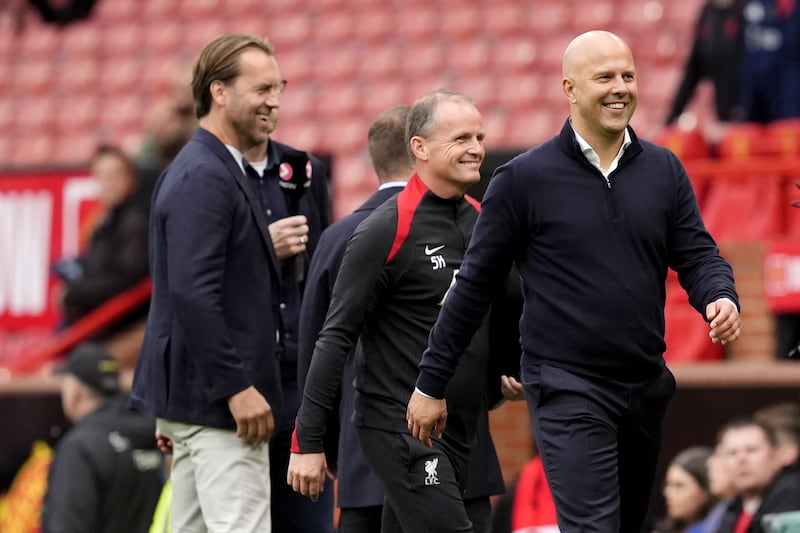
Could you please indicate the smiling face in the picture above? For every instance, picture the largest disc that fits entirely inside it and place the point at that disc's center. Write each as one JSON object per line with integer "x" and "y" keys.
{"x": 600, "y": 83}
{"x": 251, "y": 105}
{"x": 452, "y": 153}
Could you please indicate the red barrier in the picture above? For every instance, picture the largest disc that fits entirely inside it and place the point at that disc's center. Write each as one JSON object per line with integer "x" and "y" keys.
{"x": 85, "y": 328}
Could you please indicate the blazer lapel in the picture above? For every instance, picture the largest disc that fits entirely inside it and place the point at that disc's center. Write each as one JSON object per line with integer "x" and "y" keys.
{"x": 255, "y": 204}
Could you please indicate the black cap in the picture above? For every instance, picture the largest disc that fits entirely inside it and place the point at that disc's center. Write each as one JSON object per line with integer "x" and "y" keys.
{"x": 93, "y": 366}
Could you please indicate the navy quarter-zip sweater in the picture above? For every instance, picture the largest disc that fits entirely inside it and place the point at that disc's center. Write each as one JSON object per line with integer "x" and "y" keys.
{"x": 593, "y": 258}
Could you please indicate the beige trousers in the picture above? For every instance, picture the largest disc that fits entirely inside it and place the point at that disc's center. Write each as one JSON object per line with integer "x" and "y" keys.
{"x": 219, "y": 483}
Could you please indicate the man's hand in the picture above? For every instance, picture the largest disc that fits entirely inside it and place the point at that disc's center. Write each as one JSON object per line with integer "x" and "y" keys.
{"x": 511, "y": 388}
{"x": 253, "y": 415}
{"x": 306, "y": 474}
{"x": 163, "y": 442}
{"x": 426, "y": 416}
{"x": 726, "y": 324}
{"x": 289, "y": 236}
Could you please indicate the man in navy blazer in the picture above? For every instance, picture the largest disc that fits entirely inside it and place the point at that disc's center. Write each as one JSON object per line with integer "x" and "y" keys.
{"x": 208, "y": 369}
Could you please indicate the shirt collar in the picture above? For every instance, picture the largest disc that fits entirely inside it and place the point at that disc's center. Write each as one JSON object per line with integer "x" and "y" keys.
{"x": 391, "y": 184}
{"x": 237, "y": 155}
{"x": 592, "y": 156}
{"x": 587, "y": 149}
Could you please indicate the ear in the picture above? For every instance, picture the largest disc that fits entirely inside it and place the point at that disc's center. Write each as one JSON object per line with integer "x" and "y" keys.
{"x": 418, "y": 148}
{"x": 568, "y": 86}
{"x": 218, "y": 92}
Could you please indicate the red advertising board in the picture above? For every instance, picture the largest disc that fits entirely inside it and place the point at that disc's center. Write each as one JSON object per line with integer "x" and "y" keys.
{"x": 42, "y": 219}
{"x": 782, "y": 276}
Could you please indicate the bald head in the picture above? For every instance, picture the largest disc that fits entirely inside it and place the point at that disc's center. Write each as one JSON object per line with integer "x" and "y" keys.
{"x": 586, "y": 45}
{"x": 600, "y": 83}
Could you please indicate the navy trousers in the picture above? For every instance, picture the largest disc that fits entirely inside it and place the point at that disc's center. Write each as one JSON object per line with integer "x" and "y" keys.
{"x": 599, "y": 440}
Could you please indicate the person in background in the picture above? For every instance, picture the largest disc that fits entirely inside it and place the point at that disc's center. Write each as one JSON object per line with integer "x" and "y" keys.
{"x": 107, "y": 473}
{"x": 784, "y": 419}
{"x": 771, "y": 60}
{"x": 209, "y": 368}
{"x": 527, "y": 505}
{"x": 115, "y": 258}
{"x": 592, "y": 219}
{"x": 716, "y": 54}
{"x": 764, "y": 485}
{"x": 170, "y": 125}
{"x": 686, "y": 491}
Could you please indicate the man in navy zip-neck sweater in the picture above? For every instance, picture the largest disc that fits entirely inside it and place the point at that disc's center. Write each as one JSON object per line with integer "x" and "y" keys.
{"x": 592, "y": 219}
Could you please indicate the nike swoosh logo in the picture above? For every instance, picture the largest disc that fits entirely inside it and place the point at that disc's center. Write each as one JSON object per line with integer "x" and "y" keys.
{"x": 430, "y": 251}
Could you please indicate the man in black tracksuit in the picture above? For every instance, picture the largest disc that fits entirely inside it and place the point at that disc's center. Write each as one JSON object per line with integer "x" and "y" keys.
{"x": 592, "y": 219}
{"x": 397, "y": 270}
{"x": 359, "y": 493}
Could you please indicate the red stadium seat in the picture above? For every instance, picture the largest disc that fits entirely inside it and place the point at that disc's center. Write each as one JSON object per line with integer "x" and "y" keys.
{"x": 34, "y": 78}
{"x": 338, "y": 64}
{"x": 75, "y": 112}
{"x": 32, "y": 150}
{"x": 597, "y": 14}
{"x": 515, "y": 54}
{"x": 380, "y": 62}
{"x": 353, "y": 172}
{"x": 82, "y": 42}
{"x": 742, "y": 141}
{"x": 424, "y": 58}
{"x": 118, "y": 10}
{"x": 74, "y": 149}
{"x": 686, "y": 144}
{"x": 336, "y": 29}
{"x": 519, "y": 90}
{"x": 463, "y": 23}
{"x": 121, "y": 75}
{"x": 375, "y": 25}
{"x": 46, "y": 44}
{"x": 341, "y": 99}
{"x": 783, "y": 137}
{"x": 419, "y": 23}
{"x": 380, "y": 96}
{"x": 351, "y": 135}
{"x": 506, "y": 20}
{"x": 744, "y": 208}
{"x": 472, "y": 56}
{"x": 547, "y": 18}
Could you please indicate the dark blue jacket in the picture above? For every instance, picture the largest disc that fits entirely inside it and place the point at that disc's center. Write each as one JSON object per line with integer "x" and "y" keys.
{"x": 210, "y": 331}
{"x": 593, "y": 258}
